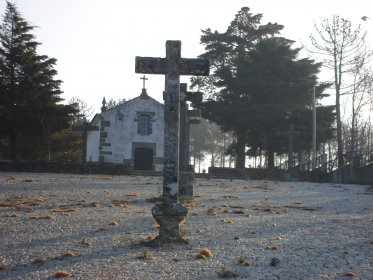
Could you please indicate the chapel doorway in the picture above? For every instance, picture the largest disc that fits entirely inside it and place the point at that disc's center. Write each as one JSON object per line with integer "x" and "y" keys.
{"x": 143, "y": 159}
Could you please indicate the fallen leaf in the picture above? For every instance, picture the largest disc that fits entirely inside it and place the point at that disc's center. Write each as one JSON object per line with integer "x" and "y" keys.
{"x": 349, "y": 273}
{"x": 62, "y": 273}
{"x": 204, "y": 253}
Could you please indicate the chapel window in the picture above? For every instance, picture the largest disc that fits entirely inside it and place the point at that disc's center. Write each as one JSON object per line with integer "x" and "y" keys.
{"x": 144, "y": 125}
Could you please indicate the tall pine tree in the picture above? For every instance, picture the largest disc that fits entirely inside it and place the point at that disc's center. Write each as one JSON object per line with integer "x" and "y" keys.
{"x": 259, "y": 87}
{"x": 225, "y": 51}
{"x": 29, "y": 93}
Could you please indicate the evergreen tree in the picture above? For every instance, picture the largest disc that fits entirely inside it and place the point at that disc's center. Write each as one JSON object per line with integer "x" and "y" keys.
{"x": 278, "y": 90}
{"x": 29, "y": 93}
{"x": 263, "y": 88}
{"x": 225, "y": 50}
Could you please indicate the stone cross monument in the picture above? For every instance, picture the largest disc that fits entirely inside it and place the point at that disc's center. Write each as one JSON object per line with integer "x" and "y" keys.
{"x": 170, "y": 214}
{"x": 187, "y": 117}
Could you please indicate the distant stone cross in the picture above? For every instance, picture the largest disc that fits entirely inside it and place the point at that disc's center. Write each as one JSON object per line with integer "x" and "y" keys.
{"x": 170, "y": 214}
{"x": 143, "y": 81}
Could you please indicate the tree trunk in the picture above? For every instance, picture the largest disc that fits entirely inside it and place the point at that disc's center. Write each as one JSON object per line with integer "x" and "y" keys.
{"x": 240, "y": 157}
{"x": 271, "y": 159}
{"x": 13, "y": 145}
{"x": 339, "y": 131}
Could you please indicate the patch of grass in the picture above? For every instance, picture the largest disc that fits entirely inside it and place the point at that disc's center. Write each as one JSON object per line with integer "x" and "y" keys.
{"x": 64, "y": 210}
{"x": 227, "y": 273}
{"x": 267, "y": 208}
{"x": 274, "y": 261}
{"x": 10, "y": 178}
{"x": 70, "y": 254}
{"x": 235, "y": 206}
{"x": 154, "y": 199}
{"x": 95, "y": 204}
{"x": 226, "y": 187}
{"x": 263, "y": 187}
{"x": 27, "y": 181}
{"x": 32, "y": 203}
{"x": 15, "y": 215}
{"x": 133, "y": 194}
{"x": 189, "y": 202}
{"x": 49, "y": 217}
{"x": 271, "y": 247}
{"x": 121, "y": 203}
{"x": 145, "y": 254}
{"x": 86, "y": 241}
{"x": 300, "y": 207}
{"x": 13, "y": 201}
{"x": 239, "y": 211}
{"x": 38, "y": 261}
{"x": 228, "y": 221}
{"x": 244, "y": 261}
{"x": 211, "y": 211}
{"x": 231, "y": 196}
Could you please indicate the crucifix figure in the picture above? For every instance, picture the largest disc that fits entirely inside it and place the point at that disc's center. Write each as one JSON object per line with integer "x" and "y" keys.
{"x": 170, "y": 214}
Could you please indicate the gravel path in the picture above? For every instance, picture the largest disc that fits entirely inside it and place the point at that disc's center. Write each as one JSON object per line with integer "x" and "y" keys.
{"x": 94, "y": 227}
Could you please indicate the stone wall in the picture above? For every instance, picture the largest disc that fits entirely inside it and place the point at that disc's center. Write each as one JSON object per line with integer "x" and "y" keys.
{"x": 250, "y": 173}
{"x": 347, "y": 174}
{"x": 267, "y": 174}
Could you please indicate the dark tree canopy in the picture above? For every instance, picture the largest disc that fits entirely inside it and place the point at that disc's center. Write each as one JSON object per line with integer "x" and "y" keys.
{"x": 30, "y": 94}
{"x": 259, "y": 86}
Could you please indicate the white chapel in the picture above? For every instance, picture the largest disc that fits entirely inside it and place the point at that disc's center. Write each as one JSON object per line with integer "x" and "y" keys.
{"x": 131, "y": 133}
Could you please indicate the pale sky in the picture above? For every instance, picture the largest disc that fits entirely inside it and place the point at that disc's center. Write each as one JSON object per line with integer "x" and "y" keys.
{"x": 96, "y": 41}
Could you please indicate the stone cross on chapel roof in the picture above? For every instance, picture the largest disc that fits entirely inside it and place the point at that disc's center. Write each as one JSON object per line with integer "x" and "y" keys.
{"x": 143, "y": 81}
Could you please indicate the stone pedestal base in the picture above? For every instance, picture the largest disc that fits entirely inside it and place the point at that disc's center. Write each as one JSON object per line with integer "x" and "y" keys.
{"x": 186, "y": 182}
{"x": 169, "y": 217}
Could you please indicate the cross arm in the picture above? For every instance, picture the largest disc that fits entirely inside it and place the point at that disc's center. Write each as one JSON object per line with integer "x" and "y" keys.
{"x": 195, "y": 67}
{"x": 150, "y": 65}
{"x": 158, "y": 65}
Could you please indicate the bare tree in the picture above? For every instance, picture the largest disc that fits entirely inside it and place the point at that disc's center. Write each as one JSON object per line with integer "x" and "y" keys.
{"x": 113, "y": 103}
{"x": 360, "y": 98}
{"x": 343, "y": 50}
{"x": 85, "y": 110}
